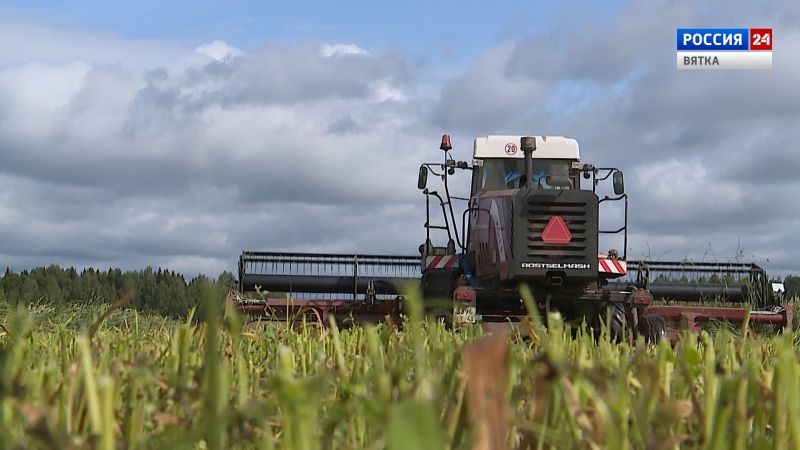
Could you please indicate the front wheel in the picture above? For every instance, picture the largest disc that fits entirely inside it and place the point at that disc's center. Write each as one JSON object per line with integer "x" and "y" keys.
{"x": 653, "y": 328}
{"x": 610, "y": 316}
{"x": 445, "y": 316}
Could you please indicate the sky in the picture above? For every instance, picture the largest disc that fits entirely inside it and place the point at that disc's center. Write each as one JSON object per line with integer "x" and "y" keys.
{"x": 177, "y": 134}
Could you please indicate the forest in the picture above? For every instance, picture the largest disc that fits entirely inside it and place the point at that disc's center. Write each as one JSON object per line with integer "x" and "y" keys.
{"x": 160, "y": 291}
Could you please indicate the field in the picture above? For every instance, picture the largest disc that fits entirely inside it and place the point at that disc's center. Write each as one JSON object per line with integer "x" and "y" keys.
{"x": 77, "y": 378}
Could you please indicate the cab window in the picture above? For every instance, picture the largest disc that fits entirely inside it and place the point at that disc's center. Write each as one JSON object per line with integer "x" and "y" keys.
{"x": 507, "y": 173}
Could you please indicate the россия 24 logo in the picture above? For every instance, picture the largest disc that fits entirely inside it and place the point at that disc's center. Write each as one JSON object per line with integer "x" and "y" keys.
{"x": 724, "y": 48}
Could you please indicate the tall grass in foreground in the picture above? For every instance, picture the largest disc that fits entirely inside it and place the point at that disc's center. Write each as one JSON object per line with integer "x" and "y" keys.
{"x": 140, "y": 382}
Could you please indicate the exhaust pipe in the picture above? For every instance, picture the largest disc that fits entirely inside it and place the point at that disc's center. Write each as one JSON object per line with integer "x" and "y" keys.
{"x": 528, "y": 145}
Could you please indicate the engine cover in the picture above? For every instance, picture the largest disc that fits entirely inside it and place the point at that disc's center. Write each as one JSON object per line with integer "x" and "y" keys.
{"x": 554, "y": 233}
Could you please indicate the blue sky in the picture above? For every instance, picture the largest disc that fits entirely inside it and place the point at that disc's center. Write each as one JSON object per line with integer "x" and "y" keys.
{"x": 460, "y": 30}
{"x": 179, "y": 134}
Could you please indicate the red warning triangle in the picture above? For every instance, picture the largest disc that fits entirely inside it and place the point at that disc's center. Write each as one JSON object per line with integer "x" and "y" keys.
{"x": 556, "y": 232}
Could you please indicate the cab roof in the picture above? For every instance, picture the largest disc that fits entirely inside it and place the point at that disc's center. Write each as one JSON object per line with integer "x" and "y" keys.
{"x": 547, "y": 147}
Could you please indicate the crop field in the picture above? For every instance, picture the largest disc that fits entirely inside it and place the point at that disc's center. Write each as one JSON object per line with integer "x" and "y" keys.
{"x": 79, "y": 378}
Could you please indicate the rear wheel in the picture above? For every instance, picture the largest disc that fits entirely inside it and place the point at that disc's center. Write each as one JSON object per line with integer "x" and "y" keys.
{"x": 439, "y": 284}
{"x": 653, "y": 328}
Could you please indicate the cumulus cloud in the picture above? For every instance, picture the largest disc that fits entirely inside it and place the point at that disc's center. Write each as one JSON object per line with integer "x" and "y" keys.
{"x": 218, "y": 50}
{"x": 487, "y": 96}
{"x": 334, "y": 50}
{"x": 384, "y": 90}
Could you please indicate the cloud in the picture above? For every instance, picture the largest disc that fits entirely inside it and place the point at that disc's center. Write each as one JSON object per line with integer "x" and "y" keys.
{"x": 485, "y": 97}
{"x": 338, "y": 50}
{"x": 218, "y": 50}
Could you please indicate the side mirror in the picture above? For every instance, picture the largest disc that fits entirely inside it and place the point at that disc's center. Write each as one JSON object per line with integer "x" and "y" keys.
{"x": 422, "y": 181}
{"x": 619, "y": 183}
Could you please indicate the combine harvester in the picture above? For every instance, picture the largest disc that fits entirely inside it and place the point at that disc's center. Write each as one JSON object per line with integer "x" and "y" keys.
{"x": 532, "y": 218}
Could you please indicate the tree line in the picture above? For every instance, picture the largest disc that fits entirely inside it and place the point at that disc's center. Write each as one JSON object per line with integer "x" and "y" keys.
{"x": 792, "y": 285}
{"x": 158, "y": 291}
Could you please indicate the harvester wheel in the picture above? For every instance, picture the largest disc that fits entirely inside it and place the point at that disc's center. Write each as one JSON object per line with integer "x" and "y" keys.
{"x": 653, "y": 328}
{"x": 615, "y": 312}
{"x": 347, "y": 323}
{"x": 443, "y": 315}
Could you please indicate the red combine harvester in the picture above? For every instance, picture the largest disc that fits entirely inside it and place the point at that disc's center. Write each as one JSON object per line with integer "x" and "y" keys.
{"x": 532, "y": 218}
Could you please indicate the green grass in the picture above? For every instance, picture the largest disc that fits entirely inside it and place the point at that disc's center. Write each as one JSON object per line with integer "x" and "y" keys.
{"x": 146, "y": 382}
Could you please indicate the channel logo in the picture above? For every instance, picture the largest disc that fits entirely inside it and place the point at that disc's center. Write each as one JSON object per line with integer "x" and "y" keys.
{"x": 724, "y": 48}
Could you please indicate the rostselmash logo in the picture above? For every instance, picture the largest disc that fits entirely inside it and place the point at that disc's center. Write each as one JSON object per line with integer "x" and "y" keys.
{"x": 536, "y": 265}
{"x": 724, "y": 48}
